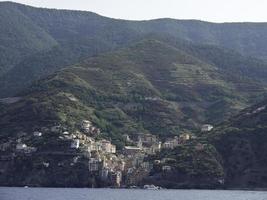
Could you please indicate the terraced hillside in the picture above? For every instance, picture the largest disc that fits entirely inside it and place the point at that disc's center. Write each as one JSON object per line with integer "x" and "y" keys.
{"x": 36, "y": 42}
{"x": 150, "y": 86}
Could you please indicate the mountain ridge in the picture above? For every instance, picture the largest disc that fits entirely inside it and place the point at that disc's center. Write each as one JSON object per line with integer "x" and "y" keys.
{"x": 136, "y": 75}
{"x": 78, "y": 35}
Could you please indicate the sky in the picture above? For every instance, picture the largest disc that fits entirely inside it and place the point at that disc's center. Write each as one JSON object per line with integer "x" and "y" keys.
{"x": 207, "y": 10}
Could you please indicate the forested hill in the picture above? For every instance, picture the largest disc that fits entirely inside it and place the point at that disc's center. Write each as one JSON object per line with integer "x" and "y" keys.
{"x": 246, "y": 38}
{"x": 36, "y": 42}
{"x": 71, "y": 76}
{"x": 149, "y": 86}
{"x": 241, "y": 141}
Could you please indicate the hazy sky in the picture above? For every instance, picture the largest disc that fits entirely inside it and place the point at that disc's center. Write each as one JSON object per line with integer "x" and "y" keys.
{"x": 208, "y": 10}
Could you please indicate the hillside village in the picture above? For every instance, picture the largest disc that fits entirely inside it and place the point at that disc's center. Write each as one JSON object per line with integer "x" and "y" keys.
{"x": 91, "y": 101}
{"x": 108, "y": 166}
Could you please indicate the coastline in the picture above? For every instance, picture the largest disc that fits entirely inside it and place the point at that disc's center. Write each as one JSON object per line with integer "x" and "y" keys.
{"x": 162, "y": 189}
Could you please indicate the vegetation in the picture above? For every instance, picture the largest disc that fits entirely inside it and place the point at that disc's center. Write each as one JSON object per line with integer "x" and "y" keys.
{"x": 164, "y": 77}
{"x": 193, "y": 165}
{"x": 147, "y": 87}
{"x": 37, "y": 42}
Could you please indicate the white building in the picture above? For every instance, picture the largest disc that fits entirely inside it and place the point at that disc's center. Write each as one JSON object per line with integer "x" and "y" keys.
{"x": 104, "y": 174}
{"x": 21, "y": 146}
{"x": 25, "y": 149}
{"x": 131, "y": 150}
{"x": 107, "y": 147}
{"x": 185, "y": 137}
{"x": 46, "y": 164}
{"x": 166, "y": 168}
{"x": 86, "y": 124}
{"x": 126, "y": 137}
{"x": 66, "y": 133}
{"x": 168, "y": 145}
{"x": 113, "y": 149}
{"x": 93, "y": 165}
{"x": 37, "y": 134}
{"x": 171, "y": 143}
{"x": 75, "y": 144}
{"x": 147, "y": 166}
{"x": 206, "y": 128}
{"x": 116, "y": 178}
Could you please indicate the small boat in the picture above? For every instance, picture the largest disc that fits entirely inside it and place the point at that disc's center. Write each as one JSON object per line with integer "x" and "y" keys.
{"x": 151, "y": 187}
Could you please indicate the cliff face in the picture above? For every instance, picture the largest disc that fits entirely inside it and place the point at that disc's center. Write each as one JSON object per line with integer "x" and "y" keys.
{"x": 194, "y": 164}
{"x": 233, "y": 155}
{"x": 190, "y": 165}
{"x": 244, "y": 158}
{"x": 233, "y": 159}
{"x": 241, "y": 141}
{"x": 46, "y": 172}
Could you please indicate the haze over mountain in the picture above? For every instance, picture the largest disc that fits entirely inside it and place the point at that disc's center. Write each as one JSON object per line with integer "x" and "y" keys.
{"x": 161, "y": 77}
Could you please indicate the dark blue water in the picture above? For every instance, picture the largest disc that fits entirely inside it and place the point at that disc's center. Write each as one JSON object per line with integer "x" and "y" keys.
{"x": 121, "y": 194}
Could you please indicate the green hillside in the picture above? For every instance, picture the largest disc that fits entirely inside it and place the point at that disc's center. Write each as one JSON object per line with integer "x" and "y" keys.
{"x": 148, "y": 87}
{"x": 232, "y": 156}
{"x": 246, "y": 38}
{"x": 19, "y": 37}
{"x": 45, "y": 40}
{"x": 241, "y": 141}
{"x": 162, "y": 77}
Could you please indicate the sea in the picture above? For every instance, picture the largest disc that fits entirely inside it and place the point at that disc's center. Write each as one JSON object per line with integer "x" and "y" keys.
{"x": 7, "y": 193}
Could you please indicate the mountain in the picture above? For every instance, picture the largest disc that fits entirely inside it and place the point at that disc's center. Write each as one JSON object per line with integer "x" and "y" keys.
{"x": 246, "y": 38}
{"x": 161, "y": 78}
{"x": 231, "y": 156}
{"x": 46, "y": 40}
{"x": 235, "y": 152}
{"x": 19, "y": 37}
{"x": 75, "y": 36}
{"x": 147, "y": 87}
{"x": 241, "y": 141}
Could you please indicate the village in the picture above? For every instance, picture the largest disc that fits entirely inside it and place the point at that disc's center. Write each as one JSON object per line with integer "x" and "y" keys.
{"x": 112, "y": 168}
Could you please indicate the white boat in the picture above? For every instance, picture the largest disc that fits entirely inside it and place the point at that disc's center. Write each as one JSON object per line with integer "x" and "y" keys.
{"x": 151, "y": 187}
